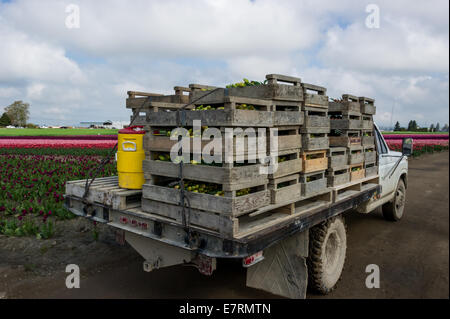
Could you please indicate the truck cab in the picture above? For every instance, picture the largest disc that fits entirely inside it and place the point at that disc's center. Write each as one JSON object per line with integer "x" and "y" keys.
{"x": 393, "y": 178}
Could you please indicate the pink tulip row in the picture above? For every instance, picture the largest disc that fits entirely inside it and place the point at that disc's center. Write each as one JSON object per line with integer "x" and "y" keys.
{"x": 56, "y": 143}
{"x": 416, "y": 136}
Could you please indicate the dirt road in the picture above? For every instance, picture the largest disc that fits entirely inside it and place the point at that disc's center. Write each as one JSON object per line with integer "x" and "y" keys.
{"x": 413, "y": 257}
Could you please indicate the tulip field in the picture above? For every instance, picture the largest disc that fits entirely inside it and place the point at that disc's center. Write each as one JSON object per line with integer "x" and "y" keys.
{"x": 422, "y": 143}
{"x": 33, "y": 173}
{"x": 34, "y": 170}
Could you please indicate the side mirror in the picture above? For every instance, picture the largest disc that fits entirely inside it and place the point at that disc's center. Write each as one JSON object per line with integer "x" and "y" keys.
{"x": 407, "y": 146}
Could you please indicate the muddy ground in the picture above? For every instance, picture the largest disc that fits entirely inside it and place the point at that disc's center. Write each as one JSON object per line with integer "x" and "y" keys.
{"x": 413, "y": 256}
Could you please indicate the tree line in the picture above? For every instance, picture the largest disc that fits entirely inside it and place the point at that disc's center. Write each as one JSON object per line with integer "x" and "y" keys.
{"x": 16, "y": 114}
{"x": 413, "y": 127}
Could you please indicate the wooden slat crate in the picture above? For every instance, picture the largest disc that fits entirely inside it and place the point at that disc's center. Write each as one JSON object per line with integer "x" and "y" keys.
{"x": 345, "y": 120}
{"x": 345, "y": 138}
{"x": 370, "y": 154}
{"x": 289, "y": 162}
{"x": 288, "y": 138}
{"x": 367, "y": 122}
{"x": 367, "y": 138}
{"x": 315, "y": 96}
{"x": 141, "y": 99}
{"x": 225, "y": 225}
{"x": 371, "y": 169}
{"x": 227, "y": 113}
{"x": 278, "y": 87}
{"x": 315, "y": 141}
{"x": 338, "y": 176}
{"x": 357, "y": 172}
{"x": 231, "y": 176}
{"x": 106, "y": 191}
{"x": 355, "y": 155}
{"x": 367, "y": 105}
{"x": 285, "y": 189}
{"x": 158, "y": 139}
{"x": 313, "y": 183}
{"x": 337, "y": 157}
{"x": 230, "y": 204}
{"x": 314, "y": 161}
{"x": 316, "y": 121}
{"x": 240, "y": 226}
{"x": 352, "y": 188}
{"x": 349, "y": 103}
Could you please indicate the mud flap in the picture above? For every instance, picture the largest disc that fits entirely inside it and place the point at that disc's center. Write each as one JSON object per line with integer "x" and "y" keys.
{"x": 283, "y": 271}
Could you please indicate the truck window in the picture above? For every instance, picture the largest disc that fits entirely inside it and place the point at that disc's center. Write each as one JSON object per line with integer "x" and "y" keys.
{"x": 381, "y": 146}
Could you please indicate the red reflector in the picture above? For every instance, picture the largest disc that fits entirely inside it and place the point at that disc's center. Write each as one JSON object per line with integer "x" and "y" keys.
{"x": 253, "y": 259}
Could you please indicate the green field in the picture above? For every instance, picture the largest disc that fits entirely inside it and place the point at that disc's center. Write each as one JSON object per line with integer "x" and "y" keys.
{"x": 407, "y": 132}
{"x": 54, "y": 131}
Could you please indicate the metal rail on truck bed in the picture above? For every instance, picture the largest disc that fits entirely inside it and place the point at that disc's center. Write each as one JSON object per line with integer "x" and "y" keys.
{"x": 133, "y": 219}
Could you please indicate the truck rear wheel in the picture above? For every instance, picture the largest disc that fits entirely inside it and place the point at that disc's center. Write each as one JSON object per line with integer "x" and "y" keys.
{"x": 393, "y": 211}
{"x": 327, "y": 251}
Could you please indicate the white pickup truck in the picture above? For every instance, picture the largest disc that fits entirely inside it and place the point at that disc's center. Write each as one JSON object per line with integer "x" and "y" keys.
{"x": 307, "y": 250}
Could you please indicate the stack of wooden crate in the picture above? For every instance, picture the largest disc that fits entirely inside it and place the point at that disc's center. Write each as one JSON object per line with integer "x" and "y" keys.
{"x": 346, "y": 135}
{"x": 315, "y": 139}
{"x": 368, "y": 110}
{"x": 234, "y": 196}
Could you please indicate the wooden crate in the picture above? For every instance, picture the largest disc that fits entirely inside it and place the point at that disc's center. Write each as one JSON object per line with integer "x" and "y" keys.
{"x": 106, "y": 191}
{"x": 230, "y": 204}
{"x": 289, "y": 162}
{"x": 371, "y": 169}
{"x": 349, "y": 103}
{"x": 313, "y": 183}
{"x": 314, "y": 161}
{"x": 316, "y": 120}
{"x": 315, "y": 96}
{"x": 279, "y": 87}
{"x": 244, "y": 142}
{"x": 338, "y": 176}
{"x": 345, "y": 138}
{"x": 357, "y": 172}
{"x": 231, "y": 176}
{"x": 367, "y": 105}
{"x": 353, "y": 188}
{"x": 142, "y": 99}
{"x": 367, "y": 122}
{"x": 367, "y": 137}
{"x": 285, "y": 189}
{"x": 315, "y": 141}
{"x": 230, "y": 227}
{"x": 288, "y": 138}
{"x": 345, "y": 120}
{"x": 355, "y": 155}
{"x": 337, "y": 157}
{"x": 227, "y": 113}
{"x": 370, "y": 154}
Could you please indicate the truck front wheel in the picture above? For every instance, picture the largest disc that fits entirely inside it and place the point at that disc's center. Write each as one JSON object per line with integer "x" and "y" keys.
{"x": 327, "y": 251}
{"x": 393, "y": 211}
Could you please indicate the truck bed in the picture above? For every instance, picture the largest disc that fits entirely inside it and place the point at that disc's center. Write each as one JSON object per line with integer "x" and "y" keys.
{"x": 257, "y": 230}
{"x": 264, "y": 228}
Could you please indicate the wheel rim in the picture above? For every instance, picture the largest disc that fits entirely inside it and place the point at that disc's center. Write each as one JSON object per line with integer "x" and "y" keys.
{"x": 399, "y": 201}
{"x": 332, "y": 249}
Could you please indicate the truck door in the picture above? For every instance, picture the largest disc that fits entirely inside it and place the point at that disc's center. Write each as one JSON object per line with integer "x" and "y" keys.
{"x": 386, "y": 162}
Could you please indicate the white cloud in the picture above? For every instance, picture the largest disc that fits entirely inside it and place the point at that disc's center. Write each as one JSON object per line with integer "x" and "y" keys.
{"x": 75, "y": 75}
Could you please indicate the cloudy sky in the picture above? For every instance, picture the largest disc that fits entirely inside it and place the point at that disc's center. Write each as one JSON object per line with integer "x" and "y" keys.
{"x": 70, "y": 75}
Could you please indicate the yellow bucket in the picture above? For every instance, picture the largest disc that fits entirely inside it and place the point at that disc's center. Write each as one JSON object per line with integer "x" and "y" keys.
{"x": 130, "y": 154}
